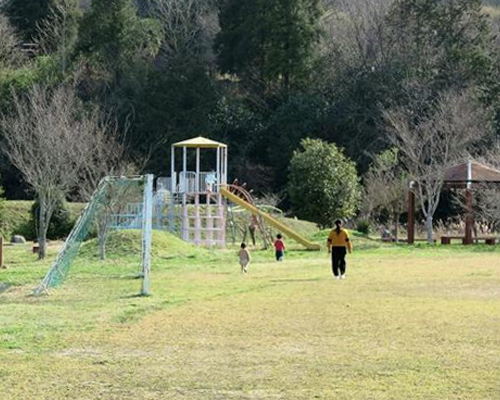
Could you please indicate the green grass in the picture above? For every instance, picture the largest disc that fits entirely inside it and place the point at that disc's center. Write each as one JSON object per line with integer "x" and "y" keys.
{"x": 16, "y": 216}
{"x": 409, "y": 323}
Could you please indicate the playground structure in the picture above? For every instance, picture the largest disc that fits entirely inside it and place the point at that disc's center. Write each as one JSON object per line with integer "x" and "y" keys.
{"x": 194, "y": 202}
{"x": 195, "y": 199}
{"x": 190, "y": 204}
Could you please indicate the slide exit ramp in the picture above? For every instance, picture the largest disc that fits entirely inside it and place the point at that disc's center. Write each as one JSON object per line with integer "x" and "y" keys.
{"x": 269, "y": 219}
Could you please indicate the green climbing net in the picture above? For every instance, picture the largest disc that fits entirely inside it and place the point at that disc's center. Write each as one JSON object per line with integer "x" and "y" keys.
{"x": 106, "y": 197}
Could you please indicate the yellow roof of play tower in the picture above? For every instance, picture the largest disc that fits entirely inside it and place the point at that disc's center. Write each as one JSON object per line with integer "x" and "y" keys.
{"x": 200, "y": 142}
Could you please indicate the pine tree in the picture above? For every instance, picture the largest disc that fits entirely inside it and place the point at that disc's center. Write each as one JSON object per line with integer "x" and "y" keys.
{"x": 271, "y": 40}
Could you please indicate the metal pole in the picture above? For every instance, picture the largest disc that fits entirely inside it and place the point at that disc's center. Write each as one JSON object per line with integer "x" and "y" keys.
{"x": 185, "y": 221}
{"x": 147, "y": 232}
{"x": 224, "y": 177}
{"x": 218, "y": 169}
{"x": 172, "y": 171}
{"x": 197, "y": 222}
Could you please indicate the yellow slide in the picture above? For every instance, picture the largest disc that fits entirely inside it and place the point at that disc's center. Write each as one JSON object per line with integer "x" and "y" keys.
{"x": 272, "y": 221}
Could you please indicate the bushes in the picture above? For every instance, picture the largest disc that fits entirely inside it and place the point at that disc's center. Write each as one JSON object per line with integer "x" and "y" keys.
{"x": 60, "y": 224}
{"x": 323, "y": 183}
{"x": 363, "y": 226}
{"x": 17, "y": 218}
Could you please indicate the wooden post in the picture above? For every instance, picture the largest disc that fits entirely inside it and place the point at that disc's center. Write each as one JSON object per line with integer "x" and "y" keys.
{"x": 411, "y": 217}
{"x": 1, "y": 252}
{"x": 468, "y": 217}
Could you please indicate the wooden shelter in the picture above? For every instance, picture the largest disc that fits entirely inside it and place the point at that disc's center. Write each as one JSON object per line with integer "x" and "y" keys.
{"x": 467, "y": 176}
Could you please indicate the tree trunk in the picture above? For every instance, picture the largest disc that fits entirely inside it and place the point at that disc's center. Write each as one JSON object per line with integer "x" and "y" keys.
{"x": 42, "y": 244}
{"x": 102, "y": 236}
{"x": 430, "y": 233}
{"x": 42, "y": 229}
{"x": 102, "y": 247}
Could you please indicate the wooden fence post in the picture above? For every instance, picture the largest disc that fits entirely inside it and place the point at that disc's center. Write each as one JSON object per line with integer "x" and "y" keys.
{"x": 1, "y": 252}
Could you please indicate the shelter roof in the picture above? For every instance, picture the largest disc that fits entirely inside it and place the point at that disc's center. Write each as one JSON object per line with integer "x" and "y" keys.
{"x": 471, "y": 172}
{"x": 200, "y": 142}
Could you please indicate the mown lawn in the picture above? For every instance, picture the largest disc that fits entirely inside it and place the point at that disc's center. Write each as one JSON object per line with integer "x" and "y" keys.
{"x": 408, "y": 323}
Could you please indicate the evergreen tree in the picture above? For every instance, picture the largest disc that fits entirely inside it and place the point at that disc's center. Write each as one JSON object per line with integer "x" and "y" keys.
{"x": 268, "y": 40}
{"x": 26, "y": 15}
{"x": 114, "y": 38}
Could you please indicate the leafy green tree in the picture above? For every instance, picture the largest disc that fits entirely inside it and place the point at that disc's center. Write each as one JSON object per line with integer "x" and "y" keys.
{"x": 174, "y": 104}
{"x": 272, "y": 41}
{"x": 298, "y": 117}
{"x": 323, "y": 183}
{"x": 114, "y": 39}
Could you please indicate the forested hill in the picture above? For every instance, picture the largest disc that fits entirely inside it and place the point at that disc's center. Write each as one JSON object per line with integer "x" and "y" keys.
{"x": 259, "y": 75}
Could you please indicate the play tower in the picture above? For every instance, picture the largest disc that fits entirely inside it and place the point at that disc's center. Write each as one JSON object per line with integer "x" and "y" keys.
{"x": 196, "y": 191}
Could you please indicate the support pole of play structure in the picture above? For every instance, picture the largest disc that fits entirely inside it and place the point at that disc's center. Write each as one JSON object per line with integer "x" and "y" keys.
{"x": 147, "y": 232}
{"x": 411, "y": 215}
{"x": 224, "y": 173}
{"x": 218, "y": 171}
{"x": 210, "y": 222}
{"x": 173, "y": 184}
{"x": 184, "y": 188}
{"x": 197, "y": 222}
{"x": 221, "y": 221}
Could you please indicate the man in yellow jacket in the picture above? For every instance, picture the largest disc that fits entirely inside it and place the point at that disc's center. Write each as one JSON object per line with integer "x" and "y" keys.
{"x": 338, "y": 244}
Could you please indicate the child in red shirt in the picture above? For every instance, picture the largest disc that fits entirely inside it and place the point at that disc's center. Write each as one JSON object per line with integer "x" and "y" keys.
{"x": 279, "y": 246}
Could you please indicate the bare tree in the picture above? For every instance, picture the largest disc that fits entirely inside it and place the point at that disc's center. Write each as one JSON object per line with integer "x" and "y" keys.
{"x": 57, "y": 33}
{"x": 107, "y": 158}
{"x": 356, "y": 34}
{"x": 9, "y": 43}
{"x": 386, "y": 185}
{"x": 433, "y": 138}
{"x": 189, "y": 27}
{"x": 48, "y": 138}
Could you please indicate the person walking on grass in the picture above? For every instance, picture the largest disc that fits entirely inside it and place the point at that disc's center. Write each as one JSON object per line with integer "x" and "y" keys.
{"x": 279, "y": 247}
{"x": 338, "y": 244}
{"x": 244, "y": 258}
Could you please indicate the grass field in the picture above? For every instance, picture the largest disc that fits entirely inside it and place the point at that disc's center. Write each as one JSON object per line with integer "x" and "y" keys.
{"x": 408, "y": 323}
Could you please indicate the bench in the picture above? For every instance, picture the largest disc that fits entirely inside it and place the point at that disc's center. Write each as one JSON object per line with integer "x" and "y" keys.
{"x": 487, "y": 240}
